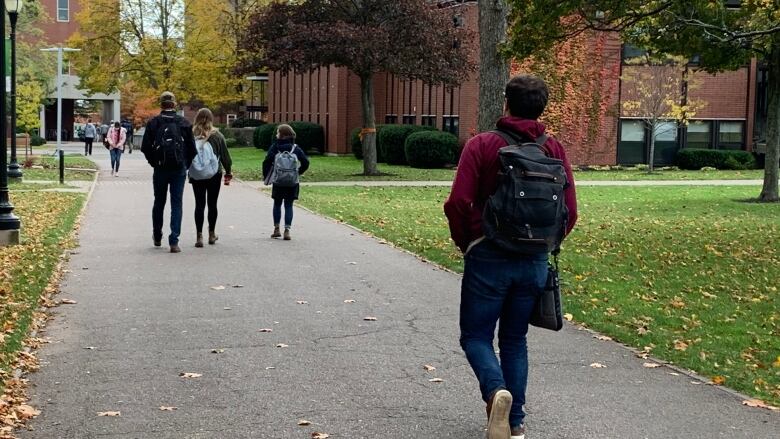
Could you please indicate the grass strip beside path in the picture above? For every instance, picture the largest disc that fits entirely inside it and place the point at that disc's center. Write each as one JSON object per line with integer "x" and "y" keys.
{"x": 687, "y": 273}
{"x": 47, "y": 219}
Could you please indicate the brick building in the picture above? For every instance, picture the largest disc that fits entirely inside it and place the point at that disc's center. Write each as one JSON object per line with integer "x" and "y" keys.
{"x": 733, "y": 116}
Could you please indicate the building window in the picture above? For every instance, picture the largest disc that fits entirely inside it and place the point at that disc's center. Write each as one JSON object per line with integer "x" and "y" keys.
{"x": 63, "y": 10}
{"x": 730, "y": 134}
{"x": 451, "y": 124}
{"x": 666, "y": 145}
{"x": 409, "y": 119}
{"x": 699, "y": 134}
{"x": 391, "y": 118}
{"x": 631, "y": 148}
{"x": 428, "y": 120}
{"x": 630, "y": 52}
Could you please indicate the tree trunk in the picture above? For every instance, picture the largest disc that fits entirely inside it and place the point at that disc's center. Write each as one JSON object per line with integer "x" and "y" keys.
{"x": 493, "y": 68}
{"x": 369, "y": 127}
{"x": 770, "y": 190}
{"x": 651, "y": 157}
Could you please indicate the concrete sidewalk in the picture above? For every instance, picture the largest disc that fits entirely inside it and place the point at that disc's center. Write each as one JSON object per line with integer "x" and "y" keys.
{"x": 145, "y": 316}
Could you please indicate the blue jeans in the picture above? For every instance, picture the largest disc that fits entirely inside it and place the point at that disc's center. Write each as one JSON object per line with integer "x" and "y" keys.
{"x": 288, "y": 212}
{"x": 162, "y": 180}
{"x": 497, "y": 286}
{"x": 116, "y": 155}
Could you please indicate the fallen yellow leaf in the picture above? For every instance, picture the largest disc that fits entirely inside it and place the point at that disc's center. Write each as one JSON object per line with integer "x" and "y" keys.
{"x": 109, "y": 413}
{"x": 759, "y": 404}
{"x": 568, "y": 317}
{"x": 164, "y": 408}
{"x": 319, "y": 435}
{"x": 304, "y": 422}
{"x": 597, "y": 365}
{"x": 651, "y": 365}
{"x": 429, "y": 368}
{"x": 718, "y": 380}
{"x": 190, "y": 375}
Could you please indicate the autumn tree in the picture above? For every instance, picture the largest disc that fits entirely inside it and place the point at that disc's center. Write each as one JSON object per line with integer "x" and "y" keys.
{"x": 724, "y": 35}
{"x": 178, "y": 45}
{"x": 412, "y": 39}
{"x": 34, "y": 69}
{"x": 493, "y": 66}
{"x": 656, "y": 93}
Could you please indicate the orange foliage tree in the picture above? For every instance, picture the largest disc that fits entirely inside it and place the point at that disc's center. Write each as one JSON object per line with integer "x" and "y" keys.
{"x": 583, "y": 77}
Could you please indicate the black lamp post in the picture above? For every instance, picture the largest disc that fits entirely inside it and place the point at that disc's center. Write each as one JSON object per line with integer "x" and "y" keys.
{"x": 9, "y": 223}
{"x": 13, "y": 7}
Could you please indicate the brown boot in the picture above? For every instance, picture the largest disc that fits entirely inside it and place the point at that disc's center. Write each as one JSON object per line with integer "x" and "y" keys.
{"x": 199, "y": 240}
{"x": 212, "y": 237}
{"x": 287, "y": 234}
{"x": 175, "y": 248}
{"x": 276, "y": 233}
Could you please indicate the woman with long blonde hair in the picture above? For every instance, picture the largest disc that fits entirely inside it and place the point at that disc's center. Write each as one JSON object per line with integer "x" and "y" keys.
{"x": 207, "y": 190}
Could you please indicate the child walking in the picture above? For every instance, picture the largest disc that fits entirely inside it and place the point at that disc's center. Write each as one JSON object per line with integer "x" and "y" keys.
{"x": 281, "y": 169}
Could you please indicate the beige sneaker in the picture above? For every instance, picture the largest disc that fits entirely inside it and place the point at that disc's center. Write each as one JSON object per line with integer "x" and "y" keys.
{"x": 498, "y": 415}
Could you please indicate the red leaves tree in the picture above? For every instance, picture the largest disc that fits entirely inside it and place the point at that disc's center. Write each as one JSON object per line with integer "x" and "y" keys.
{"x": 412, "y": 39}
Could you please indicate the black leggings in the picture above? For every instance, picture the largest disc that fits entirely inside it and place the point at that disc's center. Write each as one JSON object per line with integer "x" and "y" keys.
{"x": 206, "y": 189}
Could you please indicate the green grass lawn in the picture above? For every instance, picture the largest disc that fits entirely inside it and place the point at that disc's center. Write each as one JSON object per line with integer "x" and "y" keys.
{"x": 247, "y": 165}
{"x": 688, "y": 273}
{"x": 47, "y": 222}
{"x": 47, "y": 168}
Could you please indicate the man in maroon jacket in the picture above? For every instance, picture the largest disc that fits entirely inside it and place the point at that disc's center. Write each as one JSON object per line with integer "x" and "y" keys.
{"x": 496, "y": 285}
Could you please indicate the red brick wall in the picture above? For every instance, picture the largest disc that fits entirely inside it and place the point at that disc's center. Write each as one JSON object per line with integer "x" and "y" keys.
{"x": 56, "y": 32}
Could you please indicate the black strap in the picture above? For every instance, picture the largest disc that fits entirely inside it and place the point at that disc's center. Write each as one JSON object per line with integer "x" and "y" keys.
{"x": 513, "y": 138}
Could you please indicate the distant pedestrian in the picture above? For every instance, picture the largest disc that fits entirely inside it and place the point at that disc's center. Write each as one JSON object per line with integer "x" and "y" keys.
{"x": 169, "y": 147}
{"x": 506, "y": 258}
{"x": 282, "y": 166}
{"x": 128, "y": 126}
{"x": 89, "y": 137}
{"x": 116, "y": 144}
{"x": 212, "y": 156}
{"x": 103, "y": 131}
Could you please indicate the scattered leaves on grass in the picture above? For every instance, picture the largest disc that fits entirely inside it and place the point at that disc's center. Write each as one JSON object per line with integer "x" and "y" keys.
{"x": 718, "y": 380}
{"x": 436, "y": 380}
{"x": 651, "y": 365}
{"x": 568, "y": 317}
{"x": 304, "y": 422}
{"x": 68, "y": 301}
{"x": 759, "y": 404}
{"x": 282, "y": 345}
{"x": 218, "y": 287}
{"x": 597, "y": 365}
{"x": 190, "y": 375}
{"x": 117, "y": 413}
{"x": 680, "y": 345}
{"x": 369, "y": 318}
{"x": 319, "y": 435}
{"x": 429, "y": 368}
{"x": 164, "y": 408}
{"x": 776, "y": 363}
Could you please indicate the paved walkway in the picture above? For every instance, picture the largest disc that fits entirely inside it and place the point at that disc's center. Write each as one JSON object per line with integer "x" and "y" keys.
{"x": 145, "y": 316}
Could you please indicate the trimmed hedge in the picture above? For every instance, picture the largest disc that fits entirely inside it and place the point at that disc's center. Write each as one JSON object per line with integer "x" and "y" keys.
{"x": 309, "y": 136}
{"x": 693, "y": 158}
{"x": 431, "y": 149}
{"x": 357, "y": 145}
{"x": 392, "y": 141}
{"x": 264, "y": 136}
{"x": 36, "y": 140}
{"x": 246, "y": 123}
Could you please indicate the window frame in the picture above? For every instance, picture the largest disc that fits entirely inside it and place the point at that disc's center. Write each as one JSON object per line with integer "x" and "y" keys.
{"x": 731, "y": 145}
{"x": 428, "y": 120}
{"x": 66, "y": 9}
{"x": 451, "y": 124}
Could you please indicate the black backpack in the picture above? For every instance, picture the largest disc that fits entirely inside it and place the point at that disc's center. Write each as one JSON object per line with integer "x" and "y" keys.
{"x": 169, "y": 144}
{"x": 527, "y": 214}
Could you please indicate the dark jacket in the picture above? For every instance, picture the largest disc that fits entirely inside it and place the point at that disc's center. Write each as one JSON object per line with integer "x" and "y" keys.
{"x": 147, "y": 144}
{"x": 282, "y": 145}
{"x": 477, "y": 179}
{"x": 217, "y": 142}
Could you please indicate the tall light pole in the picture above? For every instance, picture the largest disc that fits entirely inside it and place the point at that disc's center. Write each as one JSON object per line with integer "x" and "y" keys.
{"x": 9, "y": 223}
{"x": 59, "y": 51}
{"x": 13, "y": 7}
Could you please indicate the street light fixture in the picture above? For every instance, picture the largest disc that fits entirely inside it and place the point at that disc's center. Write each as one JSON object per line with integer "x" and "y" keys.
{"x": 13, "y": 7}
{"x": 9, "y": 223}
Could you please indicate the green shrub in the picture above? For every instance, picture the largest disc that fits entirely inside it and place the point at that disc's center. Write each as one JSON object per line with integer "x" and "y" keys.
{"x": 431, "y": 149}
{"x": 264, "y": 135}
{"x": 246, "y": 123}
{"x": 692, "y": 158}
{"x": 232, "y": 143}
{"x": 392, "y": 140}
{"x": 309, "y": 136}
{"x": 357, "y": 145}
{"x": 36, "y": 140}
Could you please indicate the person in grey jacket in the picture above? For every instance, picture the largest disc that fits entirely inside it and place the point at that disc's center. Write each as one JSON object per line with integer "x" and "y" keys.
{"x": 89, "y": 136}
